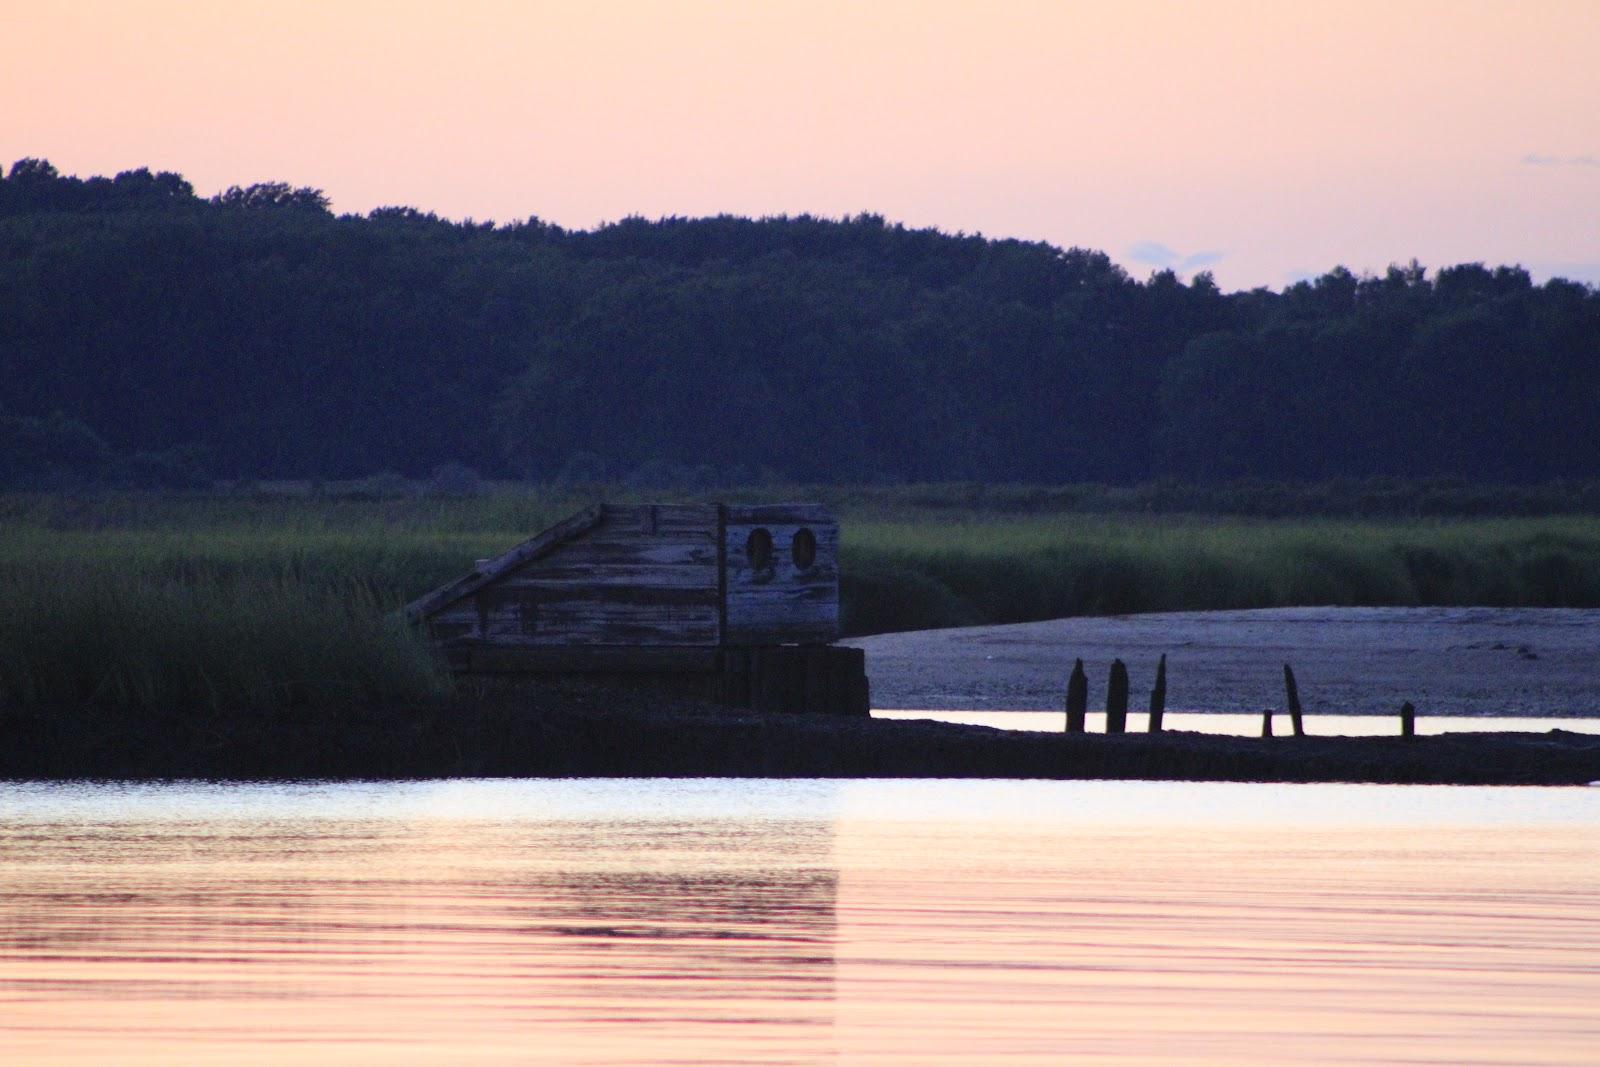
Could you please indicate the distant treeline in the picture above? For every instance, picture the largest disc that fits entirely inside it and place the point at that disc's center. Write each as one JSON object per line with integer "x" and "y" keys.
{"x": 1343, "y": 498}
{"x": 149, "y": 336}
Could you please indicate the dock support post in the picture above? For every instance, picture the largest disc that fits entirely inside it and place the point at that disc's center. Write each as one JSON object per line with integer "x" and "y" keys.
{"x": 827, "y": 679}
{"x": 1077, "y": 699}
{"x": 1117, "y": 699}
{"x": 1158, "y": 696}
{"x": 1266, "y": 722}
{"x": 1293, "y": 693}
{"x": 1408, "y": 720}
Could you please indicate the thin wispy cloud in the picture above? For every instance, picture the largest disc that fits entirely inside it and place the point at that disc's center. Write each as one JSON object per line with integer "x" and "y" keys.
{"x": 1588, "y": 272}
{"x": 1156, "y": 254}
{"x": 1201, "y": 259}
{"x": 1537, "y": 159}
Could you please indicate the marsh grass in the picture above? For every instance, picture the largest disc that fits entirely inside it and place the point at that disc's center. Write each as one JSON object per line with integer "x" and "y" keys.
{"x": 223, "y": 602}
{"x": 901, "y": 575}
{"x": 98, "y": 632}
{"x": 226, "y": 603}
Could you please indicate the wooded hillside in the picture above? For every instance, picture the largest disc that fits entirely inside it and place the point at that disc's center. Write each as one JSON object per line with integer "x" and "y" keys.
{"x": 151, "y": 336}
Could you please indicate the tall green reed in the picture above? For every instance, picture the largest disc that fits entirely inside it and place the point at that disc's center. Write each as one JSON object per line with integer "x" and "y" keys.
{"x": 214, "y": 602}
{"x": 96, "y": 633}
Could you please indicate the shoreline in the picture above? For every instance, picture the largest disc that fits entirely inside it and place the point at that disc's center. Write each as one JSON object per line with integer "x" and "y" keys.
{"x": 581, "y": 732}
{"x": 1449, "y": 662}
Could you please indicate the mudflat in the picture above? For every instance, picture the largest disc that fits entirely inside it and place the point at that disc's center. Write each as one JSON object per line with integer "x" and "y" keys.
{"x": 1446, "y": 661}
{"x": 1538, "y": 662}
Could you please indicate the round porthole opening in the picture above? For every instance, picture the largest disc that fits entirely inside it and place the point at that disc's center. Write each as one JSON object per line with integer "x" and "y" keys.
{"x": 804, "y": 548}
{"x": 758, "y": 550}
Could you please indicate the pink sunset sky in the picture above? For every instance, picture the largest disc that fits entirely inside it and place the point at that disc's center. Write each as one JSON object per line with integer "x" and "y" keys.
{"x": 1262, "y": 141}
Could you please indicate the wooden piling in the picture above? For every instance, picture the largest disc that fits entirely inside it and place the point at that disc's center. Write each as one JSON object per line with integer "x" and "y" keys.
{"x": 1077, "y": 699}
{"x": 826, "y": 679}
{"x": 1158, "y": 696}
{"x": 1117, "y": 699}
{"x": 1408, "y": 720}
{"x": 1266, "y": 722}
{"x": 1293, "y": 692}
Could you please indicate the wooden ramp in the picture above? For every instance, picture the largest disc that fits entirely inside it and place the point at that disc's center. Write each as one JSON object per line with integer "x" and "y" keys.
{"x": 738, "y": 603}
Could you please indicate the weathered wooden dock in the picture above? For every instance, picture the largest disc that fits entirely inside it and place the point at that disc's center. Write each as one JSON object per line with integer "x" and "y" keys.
{"x": 736, "y": 603}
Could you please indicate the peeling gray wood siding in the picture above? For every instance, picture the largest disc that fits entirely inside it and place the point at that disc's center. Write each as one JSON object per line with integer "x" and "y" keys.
{"x": 644, "y": 575}
{"x": 785, "y": 603}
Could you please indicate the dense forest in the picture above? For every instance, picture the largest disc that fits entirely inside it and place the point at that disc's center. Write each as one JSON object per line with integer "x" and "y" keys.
{"x": 150, "y": 336}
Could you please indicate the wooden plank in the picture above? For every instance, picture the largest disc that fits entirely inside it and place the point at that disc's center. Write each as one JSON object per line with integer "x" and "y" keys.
{"x": 649, "y": 574}
{"x": 736, "y": 677}
{"x": 835, "y": 680}
{"x": 684, "y": 518}
{"x": 449, "y": 635}
{"x": 597, "y": 659}
{"x": 589, "y": 623}
{"x": 647, "y": 520}
{"x": 675, "y": 550}
{"x": 786, "y": 635}
{"x": 521, "y": 617}
{"x": 602, "y": 593}
{"x": 685, "y": 536}
{"x": 816, "y": 680}
{"x": 783, "y": 604}
{"x": 462, "y": 612}
{"x": 1077, "y": 699}
{"x": 778, "y": 601}
{"x": 445, "y": 632}
{"x": 527, "y": 551}
{"x": 736, "y": 539}
{"x": 860, "y": 691}
{"x": 624, "y": 519}
{"x": 629, "y": 635}
{"x": 678, "y": 633}
{"x": 722, "y": 572}
{"x": 612, "y": 535}
{"x": 813, "y": 515}
{"x": 743, "y": 584}
{"x": 643, "y": 575}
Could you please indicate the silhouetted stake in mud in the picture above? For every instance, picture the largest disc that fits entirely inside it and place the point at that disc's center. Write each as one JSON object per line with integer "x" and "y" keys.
{"x": 1408, "y": 720}
{"x": 1077, "y": 699}
{"x": 1158, "y": 696}
{"x": 1266, "y": 722}
{"x": 1293, "y": 692}
{"x": 1117, "y": 699}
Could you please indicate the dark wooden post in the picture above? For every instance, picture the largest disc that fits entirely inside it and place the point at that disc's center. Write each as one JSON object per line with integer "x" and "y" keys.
{"x": 1408, "y": 720}
{"x": 1266, "y": 722}
{"x": 1117, "y": 699}
{"x": 1293, "y": 692}
{"x": 1158, "y": 696}
{"x": 1077, "y": 699}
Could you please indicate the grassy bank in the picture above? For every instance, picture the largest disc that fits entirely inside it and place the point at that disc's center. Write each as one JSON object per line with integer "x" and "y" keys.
{"x": 904, "y": 574}
{"x": 231, "y": 601}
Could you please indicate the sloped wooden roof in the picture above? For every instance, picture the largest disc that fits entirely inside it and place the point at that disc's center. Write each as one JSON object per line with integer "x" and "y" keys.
{"x": 533, "y": 548}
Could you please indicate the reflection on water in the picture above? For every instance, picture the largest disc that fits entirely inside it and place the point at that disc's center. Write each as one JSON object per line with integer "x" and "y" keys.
{"x": 415, "y": 921}
{"x": 798, "y": 922}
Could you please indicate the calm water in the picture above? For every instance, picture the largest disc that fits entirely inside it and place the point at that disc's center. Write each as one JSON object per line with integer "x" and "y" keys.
{"x": 798, "y": 922}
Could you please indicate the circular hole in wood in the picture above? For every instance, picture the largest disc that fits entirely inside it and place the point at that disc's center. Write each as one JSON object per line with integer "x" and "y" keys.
{"x": 804, "y": 548}
{"x": 758, "y": 549}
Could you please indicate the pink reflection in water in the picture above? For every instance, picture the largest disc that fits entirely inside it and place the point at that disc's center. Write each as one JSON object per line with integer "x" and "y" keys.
{"x": 798, "y": 922}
